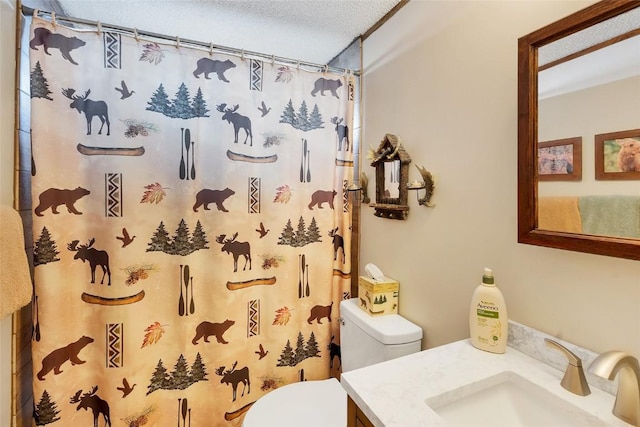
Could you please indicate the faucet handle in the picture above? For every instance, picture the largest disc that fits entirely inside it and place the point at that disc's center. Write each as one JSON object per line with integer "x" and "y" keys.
{"x": 573, "y": 358}
{"x": 574, "y": 379}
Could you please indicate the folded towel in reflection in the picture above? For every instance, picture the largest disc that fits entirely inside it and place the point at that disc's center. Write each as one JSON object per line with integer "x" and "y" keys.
{"x": 15, "y": 279}
{"x": 616, "y": 216}
{"x": 559, "y": 214}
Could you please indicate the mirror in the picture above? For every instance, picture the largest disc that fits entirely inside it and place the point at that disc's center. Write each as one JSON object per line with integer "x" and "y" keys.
{"x": 544, "y": 57}
{"x": 392, "y": 179}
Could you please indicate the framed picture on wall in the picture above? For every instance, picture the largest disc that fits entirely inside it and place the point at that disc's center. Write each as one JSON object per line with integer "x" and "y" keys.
{"x": 618, "y": 155}
{"x": 560, "y": 160}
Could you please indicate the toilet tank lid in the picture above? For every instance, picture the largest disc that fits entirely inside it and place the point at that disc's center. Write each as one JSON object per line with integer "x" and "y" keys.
{"x": 389, "y": 329}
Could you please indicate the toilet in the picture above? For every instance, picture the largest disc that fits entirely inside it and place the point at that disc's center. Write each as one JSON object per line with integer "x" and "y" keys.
{"x": 364, "y": 340}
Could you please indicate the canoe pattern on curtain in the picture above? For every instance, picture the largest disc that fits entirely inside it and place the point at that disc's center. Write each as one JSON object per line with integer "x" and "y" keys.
{"x": 191, "y": 228}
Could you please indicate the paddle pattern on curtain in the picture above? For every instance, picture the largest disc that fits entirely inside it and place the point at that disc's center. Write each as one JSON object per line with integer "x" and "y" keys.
{"x": 191, "y": 224}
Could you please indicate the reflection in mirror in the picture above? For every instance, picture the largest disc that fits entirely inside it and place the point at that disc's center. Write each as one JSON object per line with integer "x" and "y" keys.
{"x": 579, "y": 79}
{"x": 392, "y": 179}
{"x": 577, "y": 100}
{"x": 560, "y": 160}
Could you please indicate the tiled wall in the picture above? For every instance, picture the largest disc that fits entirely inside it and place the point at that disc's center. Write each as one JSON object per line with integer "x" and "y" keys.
{"x": 15, "y": 349}
{"x": 23, "y": 392}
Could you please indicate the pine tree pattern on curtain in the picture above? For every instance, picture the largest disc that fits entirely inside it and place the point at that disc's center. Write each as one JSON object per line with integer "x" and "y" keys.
{"x": 191, "y": 224}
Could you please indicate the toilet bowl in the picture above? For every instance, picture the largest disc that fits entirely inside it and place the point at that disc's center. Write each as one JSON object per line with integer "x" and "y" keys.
{"x": 364, "y": 340}
{"x": 308, "y": 403}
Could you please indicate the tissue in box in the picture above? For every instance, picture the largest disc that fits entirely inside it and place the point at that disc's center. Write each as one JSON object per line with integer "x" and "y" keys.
{"x": 378, "y": 297}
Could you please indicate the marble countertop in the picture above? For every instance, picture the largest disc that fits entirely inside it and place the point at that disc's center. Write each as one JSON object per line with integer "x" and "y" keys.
{"x": 394, "y": 393}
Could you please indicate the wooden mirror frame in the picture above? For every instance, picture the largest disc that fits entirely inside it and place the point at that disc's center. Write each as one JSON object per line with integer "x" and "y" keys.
{"x": 528, "y": 137}
{"x": 390, "y": 150}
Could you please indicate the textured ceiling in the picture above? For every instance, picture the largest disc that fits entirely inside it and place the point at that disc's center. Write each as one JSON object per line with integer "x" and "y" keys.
{"x": 307, "y": 30}
{"x": 613, "y": 62}
{"x": 598, "y": 33}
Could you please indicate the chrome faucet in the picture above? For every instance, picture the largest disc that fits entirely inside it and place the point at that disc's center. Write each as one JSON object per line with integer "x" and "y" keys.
{"x": 573, "y": 379}
{"x": 607, "y": 365}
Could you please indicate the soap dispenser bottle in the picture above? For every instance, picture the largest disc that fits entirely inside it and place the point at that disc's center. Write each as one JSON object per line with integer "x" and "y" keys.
{"x": 488, "y": 323}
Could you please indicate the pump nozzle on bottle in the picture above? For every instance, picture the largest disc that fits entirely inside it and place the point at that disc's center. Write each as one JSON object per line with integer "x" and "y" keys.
{"x": 487, "y": 278}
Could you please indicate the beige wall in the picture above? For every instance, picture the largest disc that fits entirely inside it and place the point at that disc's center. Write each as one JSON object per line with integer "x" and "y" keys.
{"x": 442, "y": 76}
{"x": 7, "y": 126}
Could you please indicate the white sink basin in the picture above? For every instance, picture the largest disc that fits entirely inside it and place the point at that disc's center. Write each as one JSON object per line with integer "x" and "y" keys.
{"x": 508, "y": 400}
{"x": 458, "y": 385}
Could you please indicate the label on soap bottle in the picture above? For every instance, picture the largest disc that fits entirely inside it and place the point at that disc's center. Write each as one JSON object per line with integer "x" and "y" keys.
{"x": 489, "y": 324}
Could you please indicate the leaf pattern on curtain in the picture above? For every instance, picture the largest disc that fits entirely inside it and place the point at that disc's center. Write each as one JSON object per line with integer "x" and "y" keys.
{"x": 192, "y": 228}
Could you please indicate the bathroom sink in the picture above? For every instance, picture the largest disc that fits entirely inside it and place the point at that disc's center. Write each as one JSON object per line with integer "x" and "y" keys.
{"x": 508, "y": 400}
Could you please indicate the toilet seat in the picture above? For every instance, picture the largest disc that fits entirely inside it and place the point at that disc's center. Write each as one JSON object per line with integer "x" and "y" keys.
{"x": 310, "y": 403}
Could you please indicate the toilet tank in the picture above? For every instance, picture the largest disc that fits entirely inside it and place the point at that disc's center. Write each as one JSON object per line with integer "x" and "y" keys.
{"x": 366, "y": 340}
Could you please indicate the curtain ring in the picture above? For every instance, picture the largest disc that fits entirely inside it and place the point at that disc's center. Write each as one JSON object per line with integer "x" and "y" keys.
{"x": 298, "y": 65}
{"x": 53, "y": 19}
{"x": 273, "y": 60}
{"x": 210, "y": 48}
{"x": 177, "y": 42}
{"x": 99, "y": 28}
{"x": 135, "y": 35}
{"x": 35, "y": 12}
{"x": 326, "y": 68}
{"x": 242, "y": 55}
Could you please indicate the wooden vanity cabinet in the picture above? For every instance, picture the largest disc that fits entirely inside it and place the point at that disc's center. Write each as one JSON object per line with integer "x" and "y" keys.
{"x": 355, "y": 416}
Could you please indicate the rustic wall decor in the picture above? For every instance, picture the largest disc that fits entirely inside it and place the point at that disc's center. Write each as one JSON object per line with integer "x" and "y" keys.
{"x": 392, "y": 174}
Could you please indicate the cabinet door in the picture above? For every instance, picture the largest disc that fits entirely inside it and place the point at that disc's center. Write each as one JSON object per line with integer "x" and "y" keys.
{"x": 355, "y": 417}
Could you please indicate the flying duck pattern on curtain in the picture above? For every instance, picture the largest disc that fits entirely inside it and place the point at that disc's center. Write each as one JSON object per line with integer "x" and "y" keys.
{"x": 191, "y": 227}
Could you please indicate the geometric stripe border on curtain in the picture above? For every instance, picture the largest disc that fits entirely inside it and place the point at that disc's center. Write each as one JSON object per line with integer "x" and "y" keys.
{"x": 351, "y": 90}
{"x": 253, "y": 318}
{"x": 345, "y": 196}
{"x": 256, "y": 75}
{"x": 115, "y": 347}
{"x": 113, "y": 194}
{"x": 254, "y": 195}
{"x": 112, "y": 48}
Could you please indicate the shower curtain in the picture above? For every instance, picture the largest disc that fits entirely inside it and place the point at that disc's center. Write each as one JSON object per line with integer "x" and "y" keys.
{"x": 191, "y": 226}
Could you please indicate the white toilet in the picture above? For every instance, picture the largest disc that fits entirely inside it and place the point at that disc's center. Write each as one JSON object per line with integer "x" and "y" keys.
{"x": 364, "y": 341}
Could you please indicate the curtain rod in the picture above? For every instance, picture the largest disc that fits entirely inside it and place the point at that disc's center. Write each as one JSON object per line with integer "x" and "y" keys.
{"x": 27, "y": 11}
